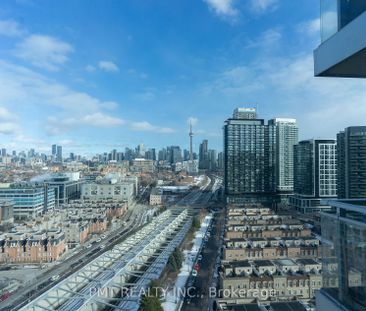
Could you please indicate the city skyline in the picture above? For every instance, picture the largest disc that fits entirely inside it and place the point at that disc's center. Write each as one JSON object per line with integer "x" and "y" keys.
{"x": 129, "y": 88}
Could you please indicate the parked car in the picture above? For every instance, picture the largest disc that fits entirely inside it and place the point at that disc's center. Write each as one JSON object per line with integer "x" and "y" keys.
{"x": 194, "y": 273}
{"x": 102, "y": 246}
{"x": 55, "y": 277}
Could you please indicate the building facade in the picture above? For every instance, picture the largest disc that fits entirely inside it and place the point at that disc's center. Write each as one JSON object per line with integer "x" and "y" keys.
{"x": 29, "y": 199}
{"x": 203, "y": 156}
{"x": 67, "y": 185}
{"x": 140, "y": 165}
{"x": 116, "y": 190}
{"x": 6, "y": 212}
{"x": 351, "y": 173}
{"x": 315, "y": 174}
{"x": 32, "y": 247}
{"x": 249, "y": 158}
{"x": 286, "y": 138}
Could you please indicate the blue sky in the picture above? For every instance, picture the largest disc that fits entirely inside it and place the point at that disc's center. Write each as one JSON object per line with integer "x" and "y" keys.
{"x": 97, "y": 75}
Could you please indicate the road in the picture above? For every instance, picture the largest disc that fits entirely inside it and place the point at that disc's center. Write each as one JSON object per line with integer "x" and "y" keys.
{"x": 207, "y": 274}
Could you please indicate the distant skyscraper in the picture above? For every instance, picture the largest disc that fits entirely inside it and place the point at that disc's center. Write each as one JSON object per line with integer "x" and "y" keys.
{"x": 174, "y": 154}
{"x": 162, "y": 155}
{"x": 220, "y": 160}
{"x": 249, "y": 158}
{"x": 119, "y": 156}
{"x": 150, "y": 154}
{"x": 141, "y": 151}
{"x": 3, "y": 152}
{"x": 59, "y": 154}
{"x": 212, "y": 159}
{"x": 31, "y": 153}
{"x": 315, "y": 174}
{"x": 203, "y": 160}
{"x": 286, "y": 138}
{"x": 186, "y": 155}
{"x": 153, "y": 154}
{"x": 114, "y": 155}
{"x": 54, "y": 150}
{"x": 351, "y": 171}
{"x": 129, "y": 155}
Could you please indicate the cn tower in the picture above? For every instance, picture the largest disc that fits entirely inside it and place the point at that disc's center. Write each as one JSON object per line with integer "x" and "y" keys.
{"x": 190, "y": 141}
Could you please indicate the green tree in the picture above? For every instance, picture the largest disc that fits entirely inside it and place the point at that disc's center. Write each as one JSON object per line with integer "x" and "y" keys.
{"x": 175, "y": 259}
{"x": 150, "y": 301}
{"x": 196, "y": 224}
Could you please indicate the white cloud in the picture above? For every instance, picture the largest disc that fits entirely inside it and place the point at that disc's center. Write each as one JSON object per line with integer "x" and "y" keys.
{"x": 146, "y": 95}
{"x": 5, "y": 114}
{"x": 134, "y": 72}
{"x": 260, "y": 6}
{"x": 268, "y": 39}
{"x": 329, "y": 23}
{"x": 146, "y": 126}
{"x": 8, "y": 122}
{"x": 9, "y": 128}
{"x": 56, "y": 126}
{"x": 287, "y": 87}
{"x": 222, "y": 7}
{"x": 24, "y": 139}
{"x": 192, "y": 120}
{"x": 90, "y": 68}
{"x": 44, "y": 51}
{"x": 19, "y": 85}
{"x": 108, "y": 66}
{"x": 99, "y": 119}
{"x": 66, "y": 142}
{"x": 311, "y": 27}
{"x": 10, "y": 28}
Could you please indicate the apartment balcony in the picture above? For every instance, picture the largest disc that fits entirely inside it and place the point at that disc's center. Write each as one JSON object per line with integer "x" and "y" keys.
{"x": 342, "y": 52}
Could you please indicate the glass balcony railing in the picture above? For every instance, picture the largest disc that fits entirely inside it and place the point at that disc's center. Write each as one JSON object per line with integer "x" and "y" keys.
{"x": 328, "y": 18}
{"x": 335, "y": 14}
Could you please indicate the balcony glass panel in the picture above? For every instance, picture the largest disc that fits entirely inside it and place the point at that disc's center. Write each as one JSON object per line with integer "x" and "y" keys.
{"x": 336, "y": 14}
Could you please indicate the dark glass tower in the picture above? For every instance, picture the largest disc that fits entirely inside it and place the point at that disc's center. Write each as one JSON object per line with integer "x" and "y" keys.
{"x": 249, "y": 158}
{"x": 315, "y": 174}
{"x": 351, "y": 174}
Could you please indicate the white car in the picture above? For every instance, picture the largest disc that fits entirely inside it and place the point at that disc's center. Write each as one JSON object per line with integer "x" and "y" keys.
{"x": 99, "y": 240}
{"x": 89, "y": 246}
{"x": 194, "y": 272}
{"x": 102, "y": 246}
{"x": 55, "y": 277}
{"x": 103, "y": 236}
{"x": 199, "y": 257}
